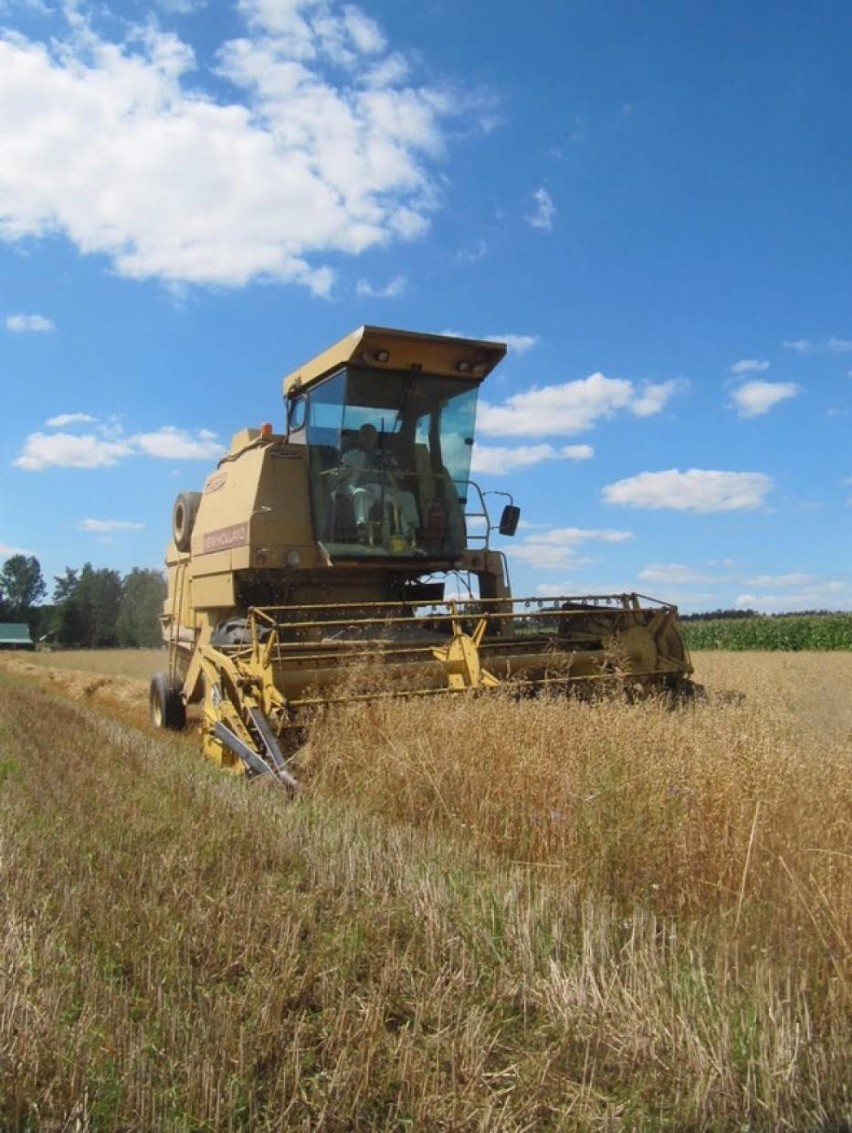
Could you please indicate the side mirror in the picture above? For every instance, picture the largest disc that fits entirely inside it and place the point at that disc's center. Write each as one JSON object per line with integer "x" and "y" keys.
{"x": 296, "y": 415}
{"x": 509, "y": 520}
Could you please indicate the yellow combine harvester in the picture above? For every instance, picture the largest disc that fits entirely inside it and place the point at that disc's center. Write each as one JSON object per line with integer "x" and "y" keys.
{"x": 350, "y": 557}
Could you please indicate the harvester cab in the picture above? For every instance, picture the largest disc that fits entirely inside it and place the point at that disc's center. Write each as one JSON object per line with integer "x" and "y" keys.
{"x": 387, "y": 418}
{"x": 312, "y": 567}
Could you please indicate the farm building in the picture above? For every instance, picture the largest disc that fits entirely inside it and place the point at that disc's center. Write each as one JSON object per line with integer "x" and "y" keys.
{"x": 15, "y": 635}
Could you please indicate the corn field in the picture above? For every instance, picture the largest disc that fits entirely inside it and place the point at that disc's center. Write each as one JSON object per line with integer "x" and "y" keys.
{"x": 788, "y": 632}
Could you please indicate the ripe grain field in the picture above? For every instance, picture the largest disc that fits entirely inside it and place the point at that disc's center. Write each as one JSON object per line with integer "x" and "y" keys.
{"x": 482, "y": 915}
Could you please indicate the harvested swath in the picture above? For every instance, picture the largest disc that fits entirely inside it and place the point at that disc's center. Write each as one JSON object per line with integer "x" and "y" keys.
{"x": 428, "y": 938}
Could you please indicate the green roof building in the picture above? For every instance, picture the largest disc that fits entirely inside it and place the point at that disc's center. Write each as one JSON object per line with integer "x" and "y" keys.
{"x": 15, "y": 635}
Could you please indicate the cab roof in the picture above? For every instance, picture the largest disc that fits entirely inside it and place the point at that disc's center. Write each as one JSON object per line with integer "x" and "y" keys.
{"x": 382, "y": 348}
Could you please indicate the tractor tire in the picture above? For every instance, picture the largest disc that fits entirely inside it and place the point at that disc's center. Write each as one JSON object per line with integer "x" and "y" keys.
{"x": 183, "y": 518}
{"x": 165, "y": 706}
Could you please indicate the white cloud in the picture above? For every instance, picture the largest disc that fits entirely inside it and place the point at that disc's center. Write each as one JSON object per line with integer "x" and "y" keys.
{"x": 122, "y": 148}
{"x": 654, "y": 396}
{"x": 748, "y": 366}
{"x": 674, "y": 574}
{"x": 697, "y": 490}
{"x": 517, "y": 343}
{"x": 544, "y": 213}
{"x": 577, "y": 452}
{"x": 781, "y": 580}
{"x": 572, "y": 588}
{"x": 28, "y": 324}
{"x": 497, "y": 461}
{"x": 753, "y": 399}
{"x": 169, "y": 443}
{"x": 816, "y": 595}
{"x": 181, "y": 7}
{"x": 393, "y": 290}
{"x": 832, "y": 345}
{"x": 66, "y": 450}
{"x": 557, "y": 549}
{"x": 571, "y": 407}
{"x": 7, "y": 550}
{"x": 571, "y": 536}
{"x": 63, "y": 420}
{"x": 106, "y": 526}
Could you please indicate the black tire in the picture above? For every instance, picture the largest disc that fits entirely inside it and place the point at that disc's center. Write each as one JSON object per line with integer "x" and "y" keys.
{"x": 183, "y": 518}
{"x": 165, "y": 706}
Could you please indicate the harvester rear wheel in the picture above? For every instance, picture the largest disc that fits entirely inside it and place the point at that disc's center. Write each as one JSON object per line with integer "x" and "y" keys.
{"x": 167, "y": 709}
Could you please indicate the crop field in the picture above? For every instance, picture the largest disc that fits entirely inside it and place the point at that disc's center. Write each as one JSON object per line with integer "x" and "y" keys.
{"x": 788, "y": 632}
{"x": 482, "y": 914}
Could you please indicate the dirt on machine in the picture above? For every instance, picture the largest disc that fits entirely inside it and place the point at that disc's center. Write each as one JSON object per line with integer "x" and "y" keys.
{"x": 350, "y": 557}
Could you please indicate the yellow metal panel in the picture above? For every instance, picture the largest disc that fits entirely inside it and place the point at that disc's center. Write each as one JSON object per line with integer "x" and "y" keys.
{"x": 433, "y": 353}
{"x": 213, "y": 591}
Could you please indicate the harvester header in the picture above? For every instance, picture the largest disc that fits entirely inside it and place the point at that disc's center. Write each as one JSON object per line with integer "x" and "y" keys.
{"x": 350, "y": 556}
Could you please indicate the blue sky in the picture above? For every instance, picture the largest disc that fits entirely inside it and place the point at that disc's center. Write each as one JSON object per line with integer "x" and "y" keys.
{"x": 649, "y": 202}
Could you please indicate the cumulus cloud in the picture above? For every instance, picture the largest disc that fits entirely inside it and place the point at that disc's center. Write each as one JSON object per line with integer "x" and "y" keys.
{"x": 107, "y": 526}
{"x": 29, "y": 324}
{"x": 557, "y": 549}
{"x": 698, "y": 490}
{"x": 497, "y": 461}
{"x": 65, "y": 450}
{"x": 544, "y": 211}
{"x": 654, "y": 396}
{"x": 753, "y": 399}
{"x": 577, "y": 452}
{"x": 130, "y": 149}
{"x": 748, "y": 366}
{"x": 168, "y": 443}
{"x": 107, "y": 448}
{"x": 572, "y": 407}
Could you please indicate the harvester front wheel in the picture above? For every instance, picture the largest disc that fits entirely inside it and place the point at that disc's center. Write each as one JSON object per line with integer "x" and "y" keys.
{"x": 166, "y": 708}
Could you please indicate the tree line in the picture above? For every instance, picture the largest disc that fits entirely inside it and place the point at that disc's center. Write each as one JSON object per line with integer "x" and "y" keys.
{"x": 90, "y": 609}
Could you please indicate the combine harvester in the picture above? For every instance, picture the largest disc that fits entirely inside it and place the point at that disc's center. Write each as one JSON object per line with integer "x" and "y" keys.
{"x": 316, "y": 564}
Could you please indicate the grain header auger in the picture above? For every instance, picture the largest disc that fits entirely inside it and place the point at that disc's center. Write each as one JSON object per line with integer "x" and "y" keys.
{"x": 350, "y": 557}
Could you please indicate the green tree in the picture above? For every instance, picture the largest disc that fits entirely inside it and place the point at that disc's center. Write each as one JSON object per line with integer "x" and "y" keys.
{"x": 143, "y": 593}
{"x": 21, "y": 586}
{"x": 87, "y": 607}
{"x": 68, "y": 627}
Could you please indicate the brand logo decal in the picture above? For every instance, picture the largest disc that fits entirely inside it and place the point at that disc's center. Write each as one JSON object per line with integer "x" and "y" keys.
{"x": 225, "y": 538}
